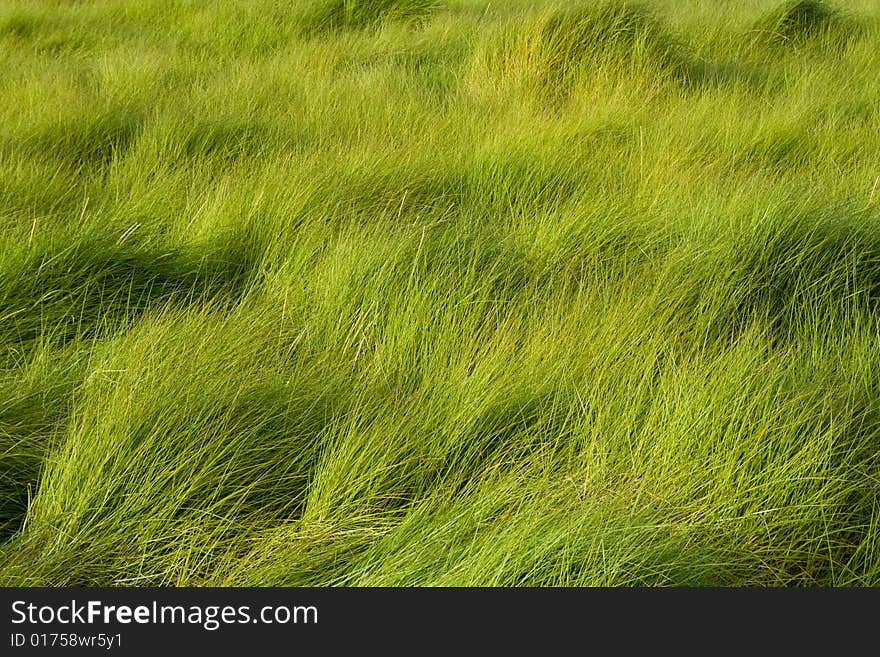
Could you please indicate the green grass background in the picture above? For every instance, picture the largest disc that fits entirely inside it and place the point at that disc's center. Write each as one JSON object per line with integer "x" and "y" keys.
{"x": 405, "y": 292}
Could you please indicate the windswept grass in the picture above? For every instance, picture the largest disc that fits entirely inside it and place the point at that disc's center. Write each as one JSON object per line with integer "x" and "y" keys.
{"x": 405, "y": 292}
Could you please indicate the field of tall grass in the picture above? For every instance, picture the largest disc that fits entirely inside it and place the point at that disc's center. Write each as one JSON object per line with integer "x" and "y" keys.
{"x": 417, "y": 292}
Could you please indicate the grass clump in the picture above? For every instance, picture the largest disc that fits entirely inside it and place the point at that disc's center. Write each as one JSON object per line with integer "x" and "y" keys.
{"x": 802, "y": 22}
{"x": 358, "y": 14}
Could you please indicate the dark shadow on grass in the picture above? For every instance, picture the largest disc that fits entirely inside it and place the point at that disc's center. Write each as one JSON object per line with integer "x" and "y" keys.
{"x": 23, "y": 458}
{"x": 701, "y": 73}
{"x": 77, "y": 290}
{"x": 502, "y": 182}
{"x": 498, "y": 438}
{"x": 507, "y": 431}
{"x": 24, "y": 439}
{"x": 31, "y": 415}
{"x": 856, "y": 463}
{"x": 46, "y": 35}
{"x": 281, "y": 429}
{"x": 87, "y": 141}
{"x": 229, "y": 139}
{"x": 788, "y": 273}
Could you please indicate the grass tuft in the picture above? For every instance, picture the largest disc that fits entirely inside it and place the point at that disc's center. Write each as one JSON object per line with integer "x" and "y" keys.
{"x": 359, "y": 14}
{"x": 577, "y": 46}
{"x": 802, "y": 22}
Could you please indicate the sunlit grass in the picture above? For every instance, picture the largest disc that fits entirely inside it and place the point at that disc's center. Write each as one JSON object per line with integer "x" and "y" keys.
{"x": 439, "y": 293}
